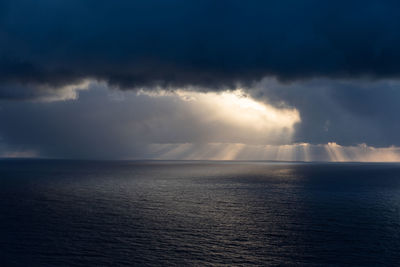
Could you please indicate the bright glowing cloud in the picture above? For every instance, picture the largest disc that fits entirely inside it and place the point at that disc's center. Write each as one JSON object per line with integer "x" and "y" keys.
{"x": 236, "y": 116}
{"x": 240, "y": 109}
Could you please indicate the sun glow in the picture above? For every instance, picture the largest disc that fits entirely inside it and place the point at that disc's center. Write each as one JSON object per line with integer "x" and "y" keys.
{"x": 235, "y": 117}
{"x": 239, "y": 108}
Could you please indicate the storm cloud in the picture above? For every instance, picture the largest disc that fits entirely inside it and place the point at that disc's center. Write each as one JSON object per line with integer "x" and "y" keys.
{"x": 101, "y": 79}
{"x": 348, "y": 112}
{"x": 212, "y": 44}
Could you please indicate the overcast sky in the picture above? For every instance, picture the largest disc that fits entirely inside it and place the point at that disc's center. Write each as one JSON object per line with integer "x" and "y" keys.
{"x": 285, "y": 80}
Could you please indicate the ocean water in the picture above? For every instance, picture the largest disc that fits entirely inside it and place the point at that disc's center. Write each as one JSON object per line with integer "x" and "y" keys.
{"x": 158, "y": 213}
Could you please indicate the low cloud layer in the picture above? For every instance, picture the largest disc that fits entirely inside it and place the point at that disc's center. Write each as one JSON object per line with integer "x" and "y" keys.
{"x": 104, "y": 123}
{"x": 306, "y": 121}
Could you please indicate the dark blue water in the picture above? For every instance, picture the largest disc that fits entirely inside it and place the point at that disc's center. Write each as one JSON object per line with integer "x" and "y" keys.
{"x": 66, "y": 213}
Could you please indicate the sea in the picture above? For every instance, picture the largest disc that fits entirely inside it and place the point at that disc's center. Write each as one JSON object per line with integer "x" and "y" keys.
{"x": 198, "y": 213}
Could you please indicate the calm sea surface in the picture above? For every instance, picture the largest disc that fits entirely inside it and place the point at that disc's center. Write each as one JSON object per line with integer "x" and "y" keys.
{"x": 77, "y": 213}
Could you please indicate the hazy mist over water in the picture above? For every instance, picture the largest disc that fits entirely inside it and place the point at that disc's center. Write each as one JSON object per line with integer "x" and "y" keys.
{"x": 95, "y": 213}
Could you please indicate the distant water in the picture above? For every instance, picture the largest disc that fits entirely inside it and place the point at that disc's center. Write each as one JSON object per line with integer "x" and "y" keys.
{"x": 76, "y": 213}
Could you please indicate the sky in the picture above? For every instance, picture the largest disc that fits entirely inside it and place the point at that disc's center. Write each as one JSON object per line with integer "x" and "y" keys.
{"x": 221, "y": 80}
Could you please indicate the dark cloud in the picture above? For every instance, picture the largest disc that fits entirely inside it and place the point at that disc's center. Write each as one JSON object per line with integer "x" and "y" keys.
{"x": 206, "y": 43}
{"x": 348, "y": 112}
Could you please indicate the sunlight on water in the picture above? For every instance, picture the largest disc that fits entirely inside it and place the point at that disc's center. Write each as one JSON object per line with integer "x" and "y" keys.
{"x": 191, "y": 213}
